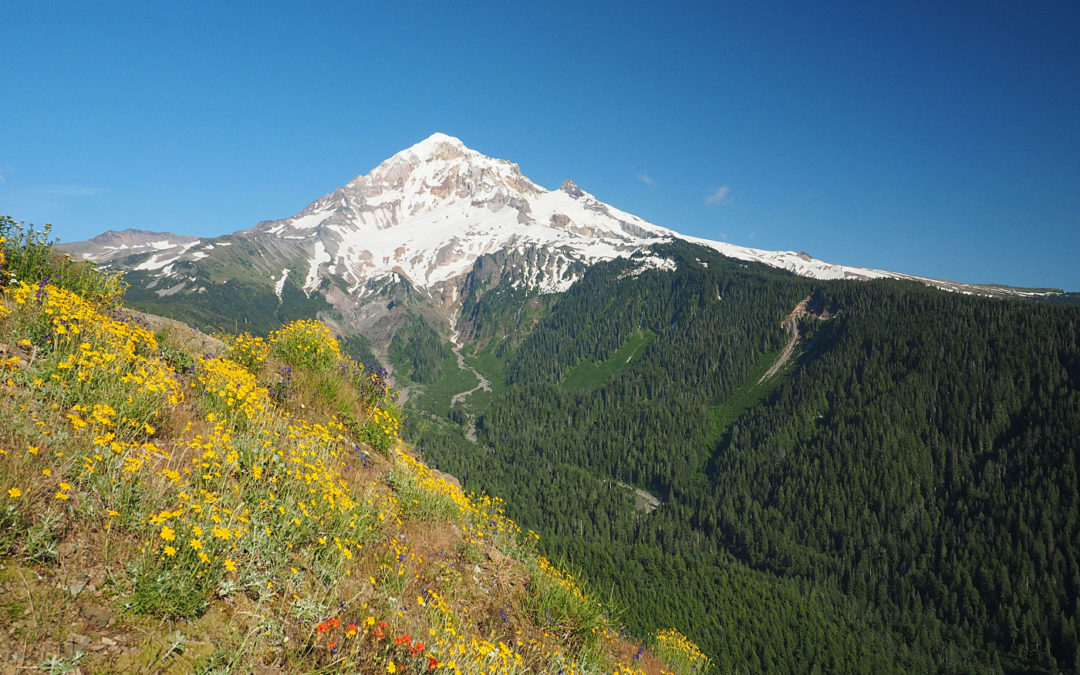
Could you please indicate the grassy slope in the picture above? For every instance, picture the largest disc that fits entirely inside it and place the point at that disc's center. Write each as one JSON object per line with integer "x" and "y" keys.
{"x": 724, "y": 413}
{"x": 164, "y": 511}
{"x": 435, "y": 397}
{"x": 588, "y": 374}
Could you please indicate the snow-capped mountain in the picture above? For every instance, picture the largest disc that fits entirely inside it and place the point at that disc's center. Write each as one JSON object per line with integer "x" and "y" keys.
{"x": 423, "y": 219}
{"x": 113, "y": 245}
{"x": 430, "y": 211}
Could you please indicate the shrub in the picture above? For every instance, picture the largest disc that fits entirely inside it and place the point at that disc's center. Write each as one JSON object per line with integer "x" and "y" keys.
{"x": 247, "y": 350}
{"x": 306, "y": 343}
{"x": 556, "y": 602}
{"x": 678, "y": 652}
{"x": 168, "y": 590}
{"x": 381, "y": 429}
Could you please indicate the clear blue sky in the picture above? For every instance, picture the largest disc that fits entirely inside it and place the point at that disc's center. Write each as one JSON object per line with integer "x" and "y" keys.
{"x": 935, "y": 138}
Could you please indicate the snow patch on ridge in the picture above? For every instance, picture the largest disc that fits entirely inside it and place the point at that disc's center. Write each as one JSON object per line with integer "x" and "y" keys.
{"x": 164, "y": 261}
{"x": 279, "y": 286}
{"x": 319, "y": 257}
{"x": 650, "y": 263}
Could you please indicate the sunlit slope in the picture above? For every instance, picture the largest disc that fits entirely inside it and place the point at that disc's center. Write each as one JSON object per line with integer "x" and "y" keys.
{"x": 250, "y": 509}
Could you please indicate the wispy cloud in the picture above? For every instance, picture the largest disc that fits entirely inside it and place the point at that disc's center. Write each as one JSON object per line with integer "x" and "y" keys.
{"x": 718, "y": 196}
{"x": 644, "y": 178}
{"x": 70, "y": 190}
{"x": 51, "y": 198}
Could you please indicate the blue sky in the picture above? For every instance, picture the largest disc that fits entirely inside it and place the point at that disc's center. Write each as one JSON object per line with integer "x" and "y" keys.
{"x": 940, "y": 139}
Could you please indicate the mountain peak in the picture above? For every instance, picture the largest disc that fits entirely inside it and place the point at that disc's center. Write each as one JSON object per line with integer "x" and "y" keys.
{"x": 437, "y": 145}
{"x": 134, "y": 233}
{"x": 440, "y": 137}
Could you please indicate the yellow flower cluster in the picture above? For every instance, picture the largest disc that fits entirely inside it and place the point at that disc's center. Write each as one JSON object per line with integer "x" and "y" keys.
{"x": 247, "y": 350}
{"x": 381, "y": 429}
{"x": 69, "y": 314}
{"x": 679, "y": 652}
{"x": 481, "y": 518}
{"x": 427, "y": 481}
{"x": 112, "y": 444}
{"x": 278, "y": 483}
{"x": 91, "y": 355}
{"x": 305, "y": 343}
{"x": 563, "y": 579}
{"x": 389, "y": 423}
{"x": 232, "y": 389}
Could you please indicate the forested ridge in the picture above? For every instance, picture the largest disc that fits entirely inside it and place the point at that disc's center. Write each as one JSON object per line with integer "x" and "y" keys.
{"x": 902, "y": 497}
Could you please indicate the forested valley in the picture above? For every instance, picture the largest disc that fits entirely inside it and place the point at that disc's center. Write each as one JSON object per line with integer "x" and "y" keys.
{"x": 901, "y": 496}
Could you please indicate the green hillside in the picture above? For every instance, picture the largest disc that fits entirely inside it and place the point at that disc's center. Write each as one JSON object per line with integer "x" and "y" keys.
{"x": 903, "y": 495}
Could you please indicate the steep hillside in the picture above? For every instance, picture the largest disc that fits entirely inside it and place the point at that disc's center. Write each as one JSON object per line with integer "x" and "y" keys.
{"x": 249, "y": 510}
{"x": 902, "y": 494}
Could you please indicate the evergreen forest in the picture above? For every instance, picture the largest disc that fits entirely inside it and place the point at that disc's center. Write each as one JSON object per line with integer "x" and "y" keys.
{"x": 895, "y": 490}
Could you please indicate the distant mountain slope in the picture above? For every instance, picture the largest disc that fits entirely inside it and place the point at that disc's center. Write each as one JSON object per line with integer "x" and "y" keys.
{"x": 410, "y": 234}
{"x": 113, "y": 245}
{"x": 912, "y": 469}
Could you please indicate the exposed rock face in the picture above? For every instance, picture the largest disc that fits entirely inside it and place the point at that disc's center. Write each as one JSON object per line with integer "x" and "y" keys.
{"x": 571, "y": 188}
{"x": 560, "y": 221}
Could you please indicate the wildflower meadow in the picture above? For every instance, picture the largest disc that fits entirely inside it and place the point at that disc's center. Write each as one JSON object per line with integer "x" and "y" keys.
{"x": 251, "y": 508}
